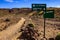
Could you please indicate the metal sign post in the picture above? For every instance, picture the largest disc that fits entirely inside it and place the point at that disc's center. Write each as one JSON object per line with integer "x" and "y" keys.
{"x": 44, "y": 26}
{"x": 47, "y": 14}
{"x": 38, "y": 8}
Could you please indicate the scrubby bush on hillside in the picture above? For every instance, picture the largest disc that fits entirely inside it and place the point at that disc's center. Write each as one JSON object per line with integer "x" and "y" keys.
{"x": 57, "y": 37}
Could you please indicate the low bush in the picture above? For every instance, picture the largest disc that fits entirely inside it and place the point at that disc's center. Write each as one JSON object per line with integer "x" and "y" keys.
{"x": 57, "y": 37}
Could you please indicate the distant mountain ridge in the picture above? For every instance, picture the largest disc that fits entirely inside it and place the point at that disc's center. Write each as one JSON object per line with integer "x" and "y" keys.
{"x": 24, "y": 10}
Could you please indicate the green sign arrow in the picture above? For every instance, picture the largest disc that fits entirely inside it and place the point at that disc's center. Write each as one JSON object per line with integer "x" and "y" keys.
{"x": 38, "y": 7}
{"x": 49, "y": 14}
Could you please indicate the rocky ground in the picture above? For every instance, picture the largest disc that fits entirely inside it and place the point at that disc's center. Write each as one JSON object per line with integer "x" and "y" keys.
{"x": 52, "y": 25}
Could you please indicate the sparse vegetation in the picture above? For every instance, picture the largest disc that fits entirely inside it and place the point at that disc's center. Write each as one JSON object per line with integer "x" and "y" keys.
{"x": 10, "y": 17}
{"x": 57, "y": 37}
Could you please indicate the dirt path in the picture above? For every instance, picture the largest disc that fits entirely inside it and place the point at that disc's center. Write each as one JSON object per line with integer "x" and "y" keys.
{"x": 11, "y": 31}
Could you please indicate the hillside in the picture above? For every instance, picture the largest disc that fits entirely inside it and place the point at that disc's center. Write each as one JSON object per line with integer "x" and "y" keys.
{"x": 9, "y": 17}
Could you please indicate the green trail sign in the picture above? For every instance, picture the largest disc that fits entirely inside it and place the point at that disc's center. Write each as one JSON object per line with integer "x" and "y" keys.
{"x": 49, "y": 14}
{"x": 41, "y": 8}
{"x": 38, "y": 7}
